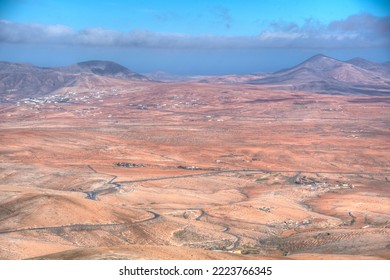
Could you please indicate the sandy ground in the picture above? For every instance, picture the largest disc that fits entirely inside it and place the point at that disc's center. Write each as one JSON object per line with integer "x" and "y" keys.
{"x": 142, "y": 170}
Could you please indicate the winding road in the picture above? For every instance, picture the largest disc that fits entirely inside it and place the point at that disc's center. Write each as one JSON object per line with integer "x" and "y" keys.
{"x": 83, "y": 226}
{"x": 116, "y": 185}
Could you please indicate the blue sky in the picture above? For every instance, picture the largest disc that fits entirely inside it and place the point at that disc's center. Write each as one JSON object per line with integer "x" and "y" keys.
{"x": 193, "y": 37}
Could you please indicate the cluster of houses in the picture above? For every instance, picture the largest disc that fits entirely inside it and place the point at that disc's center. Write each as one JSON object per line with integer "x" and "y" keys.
{"x": 128, "y": 165}
{"x": 315, "y": 184}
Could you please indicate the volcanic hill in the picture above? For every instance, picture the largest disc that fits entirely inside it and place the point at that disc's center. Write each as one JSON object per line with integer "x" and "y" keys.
{"x": 18, "y": 81}
{"x": 327, "y": 75}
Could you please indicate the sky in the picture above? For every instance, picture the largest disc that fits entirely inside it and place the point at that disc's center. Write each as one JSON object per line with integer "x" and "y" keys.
{"x": 193, "y": 37}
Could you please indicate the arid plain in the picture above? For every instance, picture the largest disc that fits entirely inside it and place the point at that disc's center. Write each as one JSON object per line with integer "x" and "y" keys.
{"x": 116, "y": 169}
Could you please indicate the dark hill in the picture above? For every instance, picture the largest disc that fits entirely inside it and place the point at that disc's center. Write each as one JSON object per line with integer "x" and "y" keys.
{"x": 103, "y": 67}
{"x": 106, "y": 68}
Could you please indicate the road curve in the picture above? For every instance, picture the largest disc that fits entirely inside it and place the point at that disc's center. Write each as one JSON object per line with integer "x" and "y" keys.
{"x": 84, "y": 226}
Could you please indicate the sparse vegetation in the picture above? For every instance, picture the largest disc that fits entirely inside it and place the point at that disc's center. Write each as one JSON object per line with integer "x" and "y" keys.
{"x": 262, "y": 179}
{"x": 166, "y": 177}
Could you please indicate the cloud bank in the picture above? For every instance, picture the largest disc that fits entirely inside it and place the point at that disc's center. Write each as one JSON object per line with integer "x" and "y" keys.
{"x": 357, "y": 31}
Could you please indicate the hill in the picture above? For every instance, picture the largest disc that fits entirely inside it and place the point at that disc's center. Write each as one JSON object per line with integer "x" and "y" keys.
{"x": 369, "y": 65}
{"x": 104, "y": 68}
{"x": 327, "y": 75}
{"x": 18, "y": 81}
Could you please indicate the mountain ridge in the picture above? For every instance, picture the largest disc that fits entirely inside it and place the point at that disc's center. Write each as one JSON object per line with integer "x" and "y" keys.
{"x": 319, "y": 73}
{"x": 104, "y": 68}
{"x": 325, "y": 74}
{"x": 20, "y": 80}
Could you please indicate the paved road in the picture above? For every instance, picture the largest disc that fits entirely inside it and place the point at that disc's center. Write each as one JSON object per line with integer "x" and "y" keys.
{"x": 249, "y": 171}
{"x": 83, "y": 226}
{"x": 93, "y": 194}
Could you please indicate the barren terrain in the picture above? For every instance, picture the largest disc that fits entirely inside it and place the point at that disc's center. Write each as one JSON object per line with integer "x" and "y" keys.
{"x": 111, "y": 169}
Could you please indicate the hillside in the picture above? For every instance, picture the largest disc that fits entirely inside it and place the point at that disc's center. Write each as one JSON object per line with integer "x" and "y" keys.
{"x": 328, "y": 75}
{"x": 18, "y": 81}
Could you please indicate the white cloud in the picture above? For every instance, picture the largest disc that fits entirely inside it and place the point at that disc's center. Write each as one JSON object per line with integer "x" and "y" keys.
{"x": 356, "y": 31}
